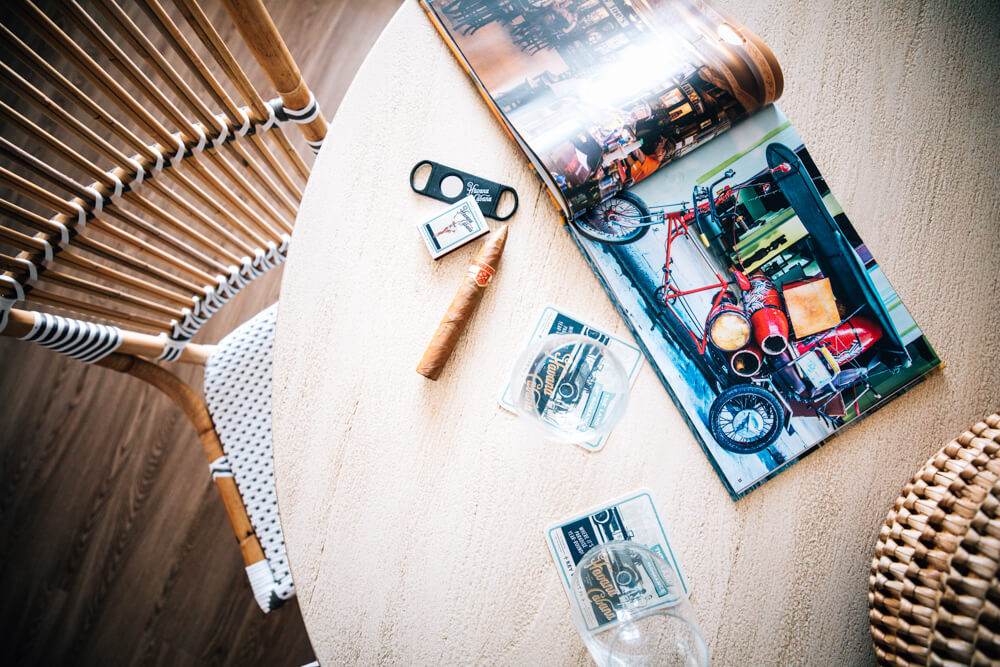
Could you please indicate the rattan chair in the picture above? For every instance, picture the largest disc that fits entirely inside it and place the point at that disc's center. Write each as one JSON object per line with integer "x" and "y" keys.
{"x": 170, "y": 190}
{"x": 934, "y": 586}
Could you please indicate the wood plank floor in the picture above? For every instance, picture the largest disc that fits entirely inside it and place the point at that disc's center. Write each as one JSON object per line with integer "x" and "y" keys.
{"x": 114, "y": 544}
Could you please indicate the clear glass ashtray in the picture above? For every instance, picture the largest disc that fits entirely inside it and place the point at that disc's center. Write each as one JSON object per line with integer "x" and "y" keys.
{"x": 571, "y": 387}
{"x": 630, "y": 609}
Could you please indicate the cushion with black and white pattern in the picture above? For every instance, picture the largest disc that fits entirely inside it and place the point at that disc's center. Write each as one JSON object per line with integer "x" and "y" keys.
{"x": 238, "y": 393}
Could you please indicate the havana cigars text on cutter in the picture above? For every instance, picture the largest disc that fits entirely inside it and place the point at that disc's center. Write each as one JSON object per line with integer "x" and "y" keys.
{"x": 486, "y": 192}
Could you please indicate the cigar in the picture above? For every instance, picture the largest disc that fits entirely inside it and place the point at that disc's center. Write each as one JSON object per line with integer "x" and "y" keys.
{"x": 470, "y": 293}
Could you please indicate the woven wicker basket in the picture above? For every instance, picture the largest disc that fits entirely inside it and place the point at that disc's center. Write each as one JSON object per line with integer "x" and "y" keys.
{"x": 933, "y": 593}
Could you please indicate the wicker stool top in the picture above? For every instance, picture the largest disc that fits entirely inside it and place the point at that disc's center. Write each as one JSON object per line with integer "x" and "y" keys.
{"x": 933, "y": 594}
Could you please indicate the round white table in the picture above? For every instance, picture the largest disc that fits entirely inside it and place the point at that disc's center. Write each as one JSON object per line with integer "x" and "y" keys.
{"x": 414, "y": 511}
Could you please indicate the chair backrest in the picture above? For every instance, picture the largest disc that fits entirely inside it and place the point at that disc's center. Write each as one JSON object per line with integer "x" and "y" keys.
{"x": 166, "y": 192}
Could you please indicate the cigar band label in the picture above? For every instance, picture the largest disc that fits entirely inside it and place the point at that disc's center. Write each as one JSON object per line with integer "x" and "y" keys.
{"x": 481, "y": 273}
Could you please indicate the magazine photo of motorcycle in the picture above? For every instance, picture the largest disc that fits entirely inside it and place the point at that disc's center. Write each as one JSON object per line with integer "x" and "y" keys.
{"x": 653, "y": 126}
{"x": 769, "y": 320}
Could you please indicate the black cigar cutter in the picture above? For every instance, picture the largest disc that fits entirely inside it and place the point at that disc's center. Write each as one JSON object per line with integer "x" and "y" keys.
{"x": 487, "y": 193}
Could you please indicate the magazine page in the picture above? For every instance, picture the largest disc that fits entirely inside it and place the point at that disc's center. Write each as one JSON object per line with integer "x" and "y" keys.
{"x": 761, "y": 309}
{"x": 602, "y": 93}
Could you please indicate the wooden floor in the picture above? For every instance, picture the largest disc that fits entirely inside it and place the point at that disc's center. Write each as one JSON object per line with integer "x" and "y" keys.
{"x": 114, "y": 545}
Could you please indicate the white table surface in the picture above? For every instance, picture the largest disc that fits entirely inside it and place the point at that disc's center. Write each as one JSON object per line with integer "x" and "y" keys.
{"x": 414, "y": 511}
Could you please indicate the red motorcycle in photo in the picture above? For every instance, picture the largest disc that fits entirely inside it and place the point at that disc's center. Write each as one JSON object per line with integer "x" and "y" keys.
{"x": 796, "y": 330}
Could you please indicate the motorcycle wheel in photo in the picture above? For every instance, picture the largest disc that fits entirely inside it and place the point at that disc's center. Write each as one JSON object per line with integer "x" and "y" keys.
{"x": 745, "y": 419}
{"x": 621, "y": 219}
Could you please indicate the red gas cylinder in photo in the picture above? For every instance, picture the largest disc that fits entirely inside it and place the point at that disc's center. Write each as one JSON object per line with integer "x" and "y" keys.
{"x": 767, "y": 316}
{"x": 846, "y": 341}
{"x": 728, "y": 325}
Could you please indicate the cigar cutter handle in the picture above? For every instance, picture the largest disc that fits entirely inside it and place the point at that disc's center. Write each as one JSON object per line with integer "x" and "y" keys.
{"x": 487, "y": 193}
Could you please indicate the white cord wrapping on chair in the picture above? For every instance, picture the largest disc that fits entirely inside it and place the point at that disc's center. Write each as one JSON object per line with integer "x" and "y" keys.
{"x": 272, "y": 116}
{"x": 28, "y": 264}
{"x": 223, "y": 133}
{"x": 158, "y": 165}
{"x": 81, "y": 213}
{"x": 220, "y": 467}
{"x": 202, "y": 139}
{"x": 263, "y": 586}
{"x": 278, "y": 113}
{"x": 63, "y": 231}
{"x": 85, "y": 341}
{"x": 242, "y": 132}
{"x": 181, "y": 150}
{"x": 307, "y": 114}
{"x": 140, "y": 173}
{"x": 171, "y": 348}
{"x": 6, "y": 302}
{"x": 216, "y": 296}
{"x": 98, "y": 199}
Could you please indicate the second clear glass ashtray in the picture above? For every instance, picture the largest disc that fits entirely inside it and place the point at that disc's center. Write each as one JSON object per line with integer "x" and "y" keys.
{"x": 631, "y": 610}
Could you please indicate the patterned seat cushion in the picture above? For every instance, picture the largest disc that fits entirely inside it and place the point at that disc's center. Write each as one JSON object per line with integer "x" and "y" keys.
{"x": 238, "y": 393}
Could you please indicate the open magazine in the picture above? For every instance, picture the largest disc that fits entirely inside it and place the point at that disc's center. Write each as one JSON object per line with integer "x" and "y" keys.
{"x": 702, "y": 213}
